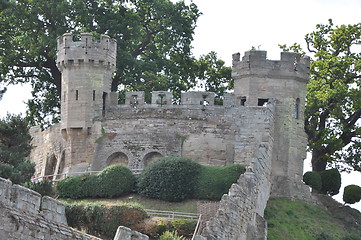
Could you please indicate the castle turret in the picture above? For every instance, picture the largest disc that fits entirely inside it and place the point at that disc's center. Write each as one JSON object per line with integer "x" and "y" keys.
{"x": 86, "y": 67}
{"x": 256, "y": 80}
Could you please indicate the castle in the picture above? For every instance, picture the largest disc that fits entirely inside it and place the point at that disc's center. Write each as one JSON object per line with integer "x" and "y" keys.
{"x": 259, "y": 125}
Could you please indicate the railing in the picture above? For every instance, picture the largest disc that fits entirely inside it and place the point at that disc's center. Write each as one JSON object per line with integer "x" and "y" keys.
{"x": 172, "y": 215}
{"x": 198, "y": 227}
{"x": 58, "y": 177}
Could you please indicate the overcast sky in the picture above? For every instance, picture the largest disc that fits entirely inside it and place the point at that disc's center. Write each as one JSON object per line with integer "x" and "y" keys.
{"x": 230, "y": 26}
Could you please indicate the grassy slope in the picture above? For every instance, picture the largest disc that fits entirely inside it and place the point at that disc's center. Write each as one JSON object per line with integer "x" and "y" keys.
{"x": 298, "y": 220}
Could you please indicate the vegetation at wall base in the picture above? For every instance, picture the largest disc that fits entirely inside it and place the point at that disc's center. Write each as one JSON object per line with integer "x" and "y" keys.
{"x": 214, "y": 181}
{"x": 176, "y": 179}
{"x": 169, "y": 178}
{"x": 101, "y": 219}
{"x": 113, "y": 181}
{"x": 299, "y": 220}
{"x": 44, "y": 187}
{"x": 168, "y": 235}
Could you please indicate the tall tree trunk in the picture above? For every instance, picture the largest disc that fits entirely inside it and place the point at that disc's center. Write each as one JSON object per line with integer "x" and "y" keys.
{"x": 318, "y": 161}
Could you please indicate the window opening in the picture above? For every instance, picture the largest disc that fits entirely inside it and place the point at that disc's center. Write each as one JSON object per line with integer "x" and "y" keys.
{"x": 76, "y": 94}
{"x": 297, "y": 108}
{"x": 93, "y": 95}
{"x": 262, "y": 101}
{"x": 243, "y": 101}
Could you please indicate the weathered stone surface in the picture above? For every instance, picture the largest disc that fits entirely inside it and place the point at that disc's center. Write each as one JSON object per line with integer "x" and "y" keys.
{"x": 124, "y": 233}
{"x": 25, "y": 215}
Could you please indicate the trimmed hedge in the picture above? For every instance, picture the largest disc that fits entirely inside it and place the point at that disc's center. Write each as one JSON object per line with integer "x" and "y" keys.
{"x": 103, "y": 220}
{"x": 214, "y": 181}
{"x": 313, "y": 179}
{"x": 331, "y": 181}
{"x": 113, "y": 181}
{"x": 45, "y": 187}
{"x": 352, "y": 194}
{"x": 326, "y": 182}
{"x": 170, "y": 178}
{"x": 176, "y": 179}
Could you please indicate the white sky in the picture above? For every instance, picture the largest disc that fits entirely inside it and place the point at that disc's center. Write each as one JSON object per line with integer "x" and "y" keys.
{"x": 230, "y": 26}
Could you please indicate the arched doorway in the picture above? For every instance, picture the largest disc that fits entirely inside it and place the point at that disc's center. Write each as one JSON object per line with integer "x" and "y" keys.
{"x": 50, "y": 165}
{"x": 151, "y": 157}
{"x": 118, "y": 158}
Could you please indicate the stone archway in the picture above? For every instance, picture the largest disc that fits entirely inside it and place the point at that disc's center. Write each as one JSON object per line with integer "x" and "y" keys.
{"x": 50, "y": 165}
{"x": 151, "y": 157}
{"x": 118, "y": 158}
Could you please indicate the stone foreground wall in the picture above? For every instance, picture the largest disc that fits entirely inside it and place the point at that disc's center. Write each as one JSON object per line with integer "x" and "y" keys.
{"x": 24, "y": 214}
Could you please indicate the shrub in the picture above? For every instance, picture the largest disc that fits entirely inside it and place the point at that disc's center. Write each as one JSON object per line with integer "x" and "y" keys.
{"x": 331, "y": 181}
{"x": 313, "y": 179}
{"x": 103, "y": 220}
{"x": 183, "y": 227}
{"x": 170, "y": 178}
{"x": 115, "y": 181}
{"x": 45, "y": 187}
{"x": 71, "y": 187}
{"x": 352, "y": 194}
{"x": 171, "y": 236}
{"x": 214, "y": 181}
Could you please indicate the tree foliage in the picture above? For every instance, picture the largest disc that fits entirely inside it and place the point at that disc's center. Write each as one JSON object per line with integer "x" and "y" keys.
{"x": 14, "y": 150}
{"x": 333, "y": 106}
{"x": 154, "y": 45}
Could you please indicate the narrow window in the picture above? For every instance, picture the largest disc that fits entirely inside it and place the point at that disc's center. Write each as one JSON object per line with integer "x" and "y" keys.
{"x": 64, "y": 96}
{"x": 243, "y": 101}
{"x": 297, "y": 108}
{"x": 104, "y": 103}
{"x": 262, "y": 101}
{"x": 93, "y": 95}
{"x": 76, "y": 94}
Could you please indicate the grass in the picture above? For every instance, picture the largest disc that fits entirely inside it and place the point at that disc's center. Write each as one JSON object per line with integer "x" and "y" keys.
{"x": 188, "y": 206}
{"x": 300, "y": 221}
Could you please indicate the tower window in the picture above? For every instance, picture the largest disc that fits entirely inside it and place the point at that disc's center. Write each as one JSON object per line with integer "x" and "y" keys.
{"x": 76, "y": 94}
{"x": 64, "y": 96}
{"x": 297, "y": 108}
{"x": 243, "y": 101}
{"x": 262, "y": 101}
{"x": 93, "y": 95}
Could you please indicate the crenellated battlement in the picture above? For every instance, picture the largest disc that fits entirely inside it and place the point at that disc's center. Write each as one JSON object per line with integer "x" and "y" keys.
{"x": 86, "y": 51}
{"x": 255, "y": 62}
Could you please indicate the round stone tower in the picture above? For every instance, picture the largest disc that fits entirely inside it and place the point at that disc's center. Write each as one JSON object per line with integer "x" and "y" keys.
{"x": 256, "y": 81}
{"x": 86, "y": 67}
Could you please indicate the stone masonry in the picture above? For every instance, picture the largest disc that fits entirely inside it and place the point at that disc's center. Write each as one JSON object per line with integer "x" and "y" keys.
{"x": 259, "y": 125}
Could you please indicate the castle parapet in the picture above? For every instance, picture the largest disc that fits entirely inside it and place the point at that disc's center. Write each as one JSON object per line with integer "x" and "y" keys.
{"x": 255, "y": 62}
{"x": 86, "y": 51}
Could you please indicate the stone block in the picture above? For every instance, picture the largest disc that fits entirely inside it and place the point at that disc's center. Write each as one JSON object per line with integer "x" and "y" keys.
{"x": 5, "y": 191}
{"x": 25, "y": 199}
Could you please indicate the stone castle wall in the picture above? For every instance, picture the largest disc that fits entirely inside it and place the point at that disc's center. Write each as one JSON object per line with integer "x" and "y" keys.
{"x": 24, "y": 214}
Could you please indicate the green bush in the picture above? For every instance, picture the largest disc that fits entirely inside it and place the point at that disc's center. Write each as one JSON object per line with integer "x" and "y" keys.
{"x": 45, "y": 187}
{"x": 184, "y": 228}
{"x": 214, "y": 181}
{"x": 103, "y": 220}
{"x": 71, "y": 187}
{"x": 171, "y": 236}
{"x": 352, "y": 194}
{"x": 313, "y": 179}
{"x": 331, "y": 181}
{"x": 115, "y": 181}
{"x": 170, "y": 178}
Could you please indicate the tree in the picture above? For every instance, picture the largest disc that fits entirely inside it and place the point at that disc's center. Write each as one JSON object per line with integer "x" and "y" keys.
{"x": 154, "y": 45}
{"x": 14, "y": 150}
{"x": 333, "y": 106}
